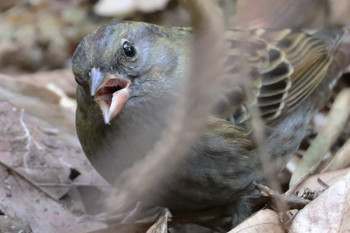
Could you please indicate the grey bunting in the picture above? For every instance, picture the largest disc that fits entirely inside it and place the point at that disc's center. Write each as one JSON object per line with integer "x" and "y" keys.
{"x": 129, "y": 75}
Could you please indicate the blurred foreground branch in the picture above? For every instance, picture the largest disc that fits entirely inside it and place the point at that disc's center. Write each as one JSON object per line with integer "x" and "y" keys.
{"x": 193, "y": 105}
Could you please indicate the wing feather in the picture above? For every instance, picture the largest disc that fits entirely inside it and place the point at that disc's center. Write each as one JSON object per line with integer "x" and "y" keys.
{"x": 282, "y": 67}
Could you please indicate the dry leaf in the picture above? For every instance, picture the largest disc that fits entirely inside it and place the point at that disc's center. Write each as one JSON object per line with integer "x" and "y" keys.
{"x": 313, "y": 182}
{"x": 262, "y": 221}
{"x": 37, "y": 100}
{"x": 161, "y": 226}
{"x": 330, "y": 212}
{"x": 35, "y": 172}
{"x": 9, "y": 224}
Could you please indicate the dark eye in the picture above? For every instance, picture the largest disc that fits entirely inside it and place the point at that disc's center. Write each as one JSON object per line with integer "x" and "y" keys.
{"x": 129, "y": 50}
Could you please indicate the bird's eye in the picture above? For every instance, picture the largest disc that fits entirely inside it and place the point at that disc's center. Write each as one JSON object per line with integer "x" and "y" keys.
{"x": 129, "y": 50}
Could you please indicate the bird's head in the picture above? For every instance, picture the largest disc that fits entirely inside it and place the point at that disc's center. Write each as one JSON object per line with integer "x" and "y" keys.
{"x": 123, "y": 61}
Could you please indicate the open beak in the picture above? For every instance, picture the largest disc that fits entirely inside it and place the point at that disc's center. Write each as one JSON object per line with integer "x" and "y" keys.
{"x": 110, "y": 92}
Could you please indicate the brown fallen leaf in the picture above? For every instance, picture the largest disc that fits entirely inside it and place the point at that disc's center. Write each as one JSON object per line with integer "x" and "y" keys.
{"x": 330, "y": 212}
{"x": 63, "y": 79}
{"x": 161, "y": 226}
{"x": 32, "y": 207}
{"x": 37, "y": 100}
{"x": 313, "y": 182}
{"x": 28, "y": 87}
{"x": 36, "y": 171}
{"x": 11, "y": 224}
{"x": 262, "y": 221}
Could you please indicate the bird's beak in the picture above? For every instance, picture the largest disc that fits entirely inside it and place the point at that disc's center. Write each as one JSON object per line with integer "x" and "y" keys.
{"x": 110, "y": 92}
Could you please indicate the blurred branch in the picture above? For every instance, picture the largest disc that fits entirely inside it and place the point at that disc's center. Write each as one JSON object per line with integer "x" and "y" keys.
{"x": 193, "y": 105}
{"x": 229, "y": 8}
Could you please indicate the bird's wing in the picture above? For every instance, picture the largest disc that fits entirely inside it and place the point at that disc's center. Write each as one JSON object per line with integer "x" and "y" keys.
{"x": 281, "y": 69}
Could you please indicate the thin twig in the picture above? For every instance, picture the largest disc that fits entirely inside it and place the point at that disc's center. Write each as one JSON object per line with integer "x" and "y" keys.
{"x": 193, "y": 105}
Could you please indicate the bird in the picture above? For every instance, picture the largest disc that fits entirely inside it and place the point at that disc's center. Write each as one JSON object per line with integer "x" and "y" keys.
{"x": 129, "y": 76}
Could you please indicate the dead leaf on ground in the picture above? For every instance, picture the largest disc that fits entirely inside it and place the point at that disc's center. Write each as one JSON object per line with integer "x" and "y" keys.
{"x": 330, "y": 212}
{"x": 262, "y": 221}
{"x": 36, "y": 171}
{"x": 13, "y": 225}
{"x": 38, "y": 100}
{"x": 161, "y": 226}
{"x": 313, "y": 182}
{"x": 63, "y": 79}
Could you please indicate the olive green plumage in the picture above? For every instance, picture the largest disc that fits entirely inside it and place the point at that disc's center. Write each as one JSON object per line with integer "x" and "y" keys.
{"x": 287, "y": 75}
